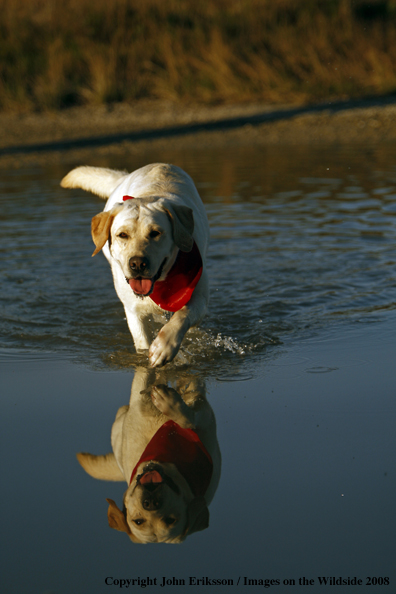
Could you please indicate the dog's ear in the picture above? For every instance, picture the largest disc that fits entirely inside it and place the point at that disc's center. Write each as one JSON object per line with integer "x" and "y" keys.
{"x": 197, "y": 516}
{"x": 100, "y": 227}
{"x": 182, "y": 220}
{"x": 117, "y": 519}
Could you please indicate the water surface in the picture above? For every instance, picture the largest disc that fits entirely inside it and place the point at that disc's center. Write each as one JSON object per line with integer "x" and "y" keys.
{"x": 299, "y": 241}
{"x": 297, "y": 356}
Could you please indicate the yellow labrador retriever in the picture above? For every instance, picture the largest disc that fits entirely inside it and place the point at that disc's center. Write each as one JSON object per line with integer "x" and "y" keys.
{"x": 154, "y": 232}
{"x": 165, "y": 448}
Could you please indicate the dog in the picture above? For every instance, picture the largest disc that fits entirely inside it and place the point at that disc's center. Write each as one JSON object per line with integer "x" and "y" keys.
{"x": 165, "y": 448}
{"x": 154, "y": 232}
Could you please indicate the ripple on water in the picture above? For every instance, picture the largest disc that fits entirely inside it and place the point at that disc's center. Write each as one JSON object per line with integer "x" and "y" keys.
{"x": 293, "y": 250}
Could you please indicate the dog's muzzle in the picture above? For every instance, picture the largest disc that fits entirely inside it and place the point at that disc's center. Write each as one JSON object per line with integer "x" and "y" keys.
{"x": 152, "y": 481}
{"x": 140, "y": 282}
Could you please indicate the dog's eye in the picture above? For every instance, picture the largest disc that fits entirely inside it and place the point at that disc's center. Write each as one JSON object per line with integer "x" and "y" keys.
{"x": 123, "y": 235}
{"x": 154, "y": 233}
{"x": 139, "y": 521}
{"x": 169, "y": 521}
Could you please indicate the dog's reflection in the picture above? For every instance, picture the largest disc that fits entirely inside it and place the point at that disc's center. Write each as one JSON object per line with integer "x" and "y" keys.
{"x": 165, "y": 447}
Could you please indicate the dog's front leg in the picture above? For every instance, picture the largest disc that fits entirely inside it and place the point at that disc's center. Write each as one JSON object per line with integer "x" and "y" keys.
{"x": 139, "y": 329}
{"x": 135, "y": 315}
{"x": 165, "y": 347}
{"x": 171, "y": 404}
{"x": 196, "y": 414}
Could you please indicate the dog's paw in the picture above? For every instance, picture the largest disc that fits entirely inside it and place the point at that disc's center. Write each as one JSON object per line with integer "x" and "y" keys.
{"x": 167, "y": 400}
{"x": 164, "y": 348}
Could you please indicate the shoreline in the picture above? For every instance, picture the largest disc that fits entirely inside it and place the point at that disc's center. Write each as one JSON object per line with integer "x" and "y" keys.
{"x": 138, "y": 126}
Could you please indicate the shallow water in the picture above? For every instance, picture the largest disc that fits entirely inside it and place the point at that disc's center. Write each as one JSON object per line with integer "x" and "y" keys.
{"x": 299, "y": 242}
{"x": 297, "y": 356}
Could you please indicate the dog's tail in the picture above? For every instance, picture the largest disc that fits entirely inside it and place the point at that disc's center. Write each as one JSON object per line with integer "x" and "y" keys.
{"x": 98, "y": 180}
{"x": 101, "y": 467}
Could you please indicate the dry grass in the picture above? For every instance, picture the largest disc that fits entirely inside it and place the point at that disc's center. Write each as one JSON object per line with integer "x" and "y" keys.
{"x": 54, "y": 54}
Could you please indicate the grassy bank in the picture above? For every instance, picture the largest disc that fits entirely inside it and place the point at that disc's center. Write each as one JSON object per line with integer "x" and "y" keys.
{"x": 58, "y": 53}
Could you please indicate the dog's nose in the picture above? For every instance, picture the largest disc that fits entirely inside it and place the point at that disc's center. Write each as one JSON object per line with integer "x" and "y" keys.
{"x": 151, "y": 503}
{"x": 138, "y": 264}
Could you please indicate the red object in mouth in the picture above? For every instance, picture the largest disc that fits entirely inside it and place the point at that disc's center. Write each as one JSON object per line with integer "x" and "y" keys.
{"x": 141, "y": 286}
{"x": 153, "y": 476}
{"x": 176, "y": 290}
{"x": 128, "y": 198}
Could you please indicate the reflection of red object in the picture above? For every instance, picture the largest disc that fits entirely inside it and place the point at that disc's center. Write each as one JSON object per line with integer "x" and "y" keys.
{"x": 176, "y": 290}
{"x": 185, "y": 450}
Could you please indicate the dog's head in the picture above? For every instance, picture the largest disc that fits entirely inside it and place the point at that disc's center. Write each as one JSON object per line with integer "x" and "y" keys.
{"x": 159, "y": 507}
{"x": 144, "y": 237}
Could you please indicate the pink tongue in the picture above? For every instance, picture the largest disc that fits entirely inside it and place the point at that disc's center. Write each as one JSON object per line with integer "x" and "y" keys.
{"x": 151, "y": 477}
{"x": 141, "y": 286}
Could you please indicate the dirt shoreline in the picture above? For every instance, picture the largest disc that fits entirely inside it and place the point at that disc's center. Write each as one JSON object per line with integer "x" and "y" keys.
{"x": 32, "y": 138}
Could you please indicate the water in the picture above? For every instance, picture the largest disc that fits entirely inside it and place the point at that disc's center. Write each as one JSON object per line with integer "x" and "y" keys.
{"x": 297, "y": 356}
{"x": 299, "y": 242}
